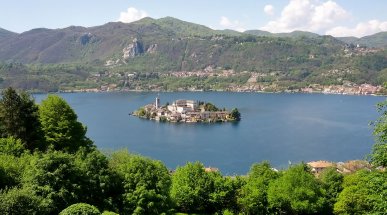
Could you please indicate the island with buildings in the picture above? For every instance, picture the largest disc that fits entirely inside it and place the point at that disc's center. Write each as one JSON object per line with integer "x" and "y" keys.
{"x": 187, "y": 111}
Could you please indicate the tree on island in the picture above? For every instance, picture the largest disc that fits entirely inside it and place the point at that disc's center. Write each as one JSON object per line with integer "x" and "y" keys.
{"x": 141, "y": 112}
{"x": 210, "y": 107}
{"x": 235, "y": 115}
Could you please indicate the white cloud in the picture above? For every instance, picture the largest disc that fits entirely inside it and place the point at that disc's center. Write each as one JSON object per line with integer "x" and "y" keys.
{"x": 308, "y": 15}
{"x": 234, "y": 25}
{"x": 131, "y": 15}
{"x": 269, "y": 9}
{"x": 327, "y": 15}
{"x": 360, "y": 30}
{"x": 224, "y": 21}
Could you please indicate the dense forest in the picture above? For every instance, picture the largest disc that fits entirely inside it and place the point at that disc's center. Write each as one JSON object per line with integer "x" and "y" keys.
{"x": 49, "y": 166}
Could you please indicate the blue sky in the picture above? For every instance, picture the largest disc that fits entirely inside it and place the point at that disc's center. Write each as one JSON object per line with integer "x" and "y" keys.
{"x": 334, "y": 17}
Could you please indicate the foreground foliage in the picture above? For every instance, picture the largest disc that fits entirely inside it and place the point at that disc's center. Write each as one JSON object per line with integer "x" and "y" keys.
{"x": 145, "y": 184}
{"x": 253, "y": 195}
{"x": 19, "y": 119}
{"x": 80, "y": 209}
{"x": 60, "y": 126}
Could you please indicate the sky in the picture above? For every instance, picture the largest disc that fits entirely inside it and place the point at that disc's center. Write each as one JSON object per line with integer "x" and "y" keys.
{"x": 334, "y": 17}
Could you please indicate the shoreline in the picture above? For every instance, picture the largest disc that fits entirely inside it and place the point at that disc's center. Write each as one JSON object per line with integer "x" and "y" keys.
{"x": 204, "y": 91}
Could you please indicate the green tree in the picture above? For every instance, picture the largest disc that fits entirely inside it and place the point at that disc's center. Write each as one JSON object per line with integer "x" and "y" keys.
{"x": 141, "y": 112}
{"x": 353, "y": 198}
{"x": 12, "y": 169}
{"x": 210, "y": 107}
{"x": 363, "y": 193}
{"x": 55, "y": 177}
{"x": 253, "y": 195}
{"x": 80, "y": 209}
{"x": 61, "y": 129}
{"x": 224, "y": 194}
{"x": 145, "y": 183}
{"x": 235, "y": 115}
{"x": 20, "y": 201}
{"x": 109, "y": 213}
{"x": 296, "y": 192}
{"x": 11, "y": 146}
{"x": 332, "y": 183}
{"x": 377, "y": 191}
{"x": 191, "y": 188}
{"x": 379, "y": 153}
{"x": 19, "y": 118}
{"x": 99, "y": 185}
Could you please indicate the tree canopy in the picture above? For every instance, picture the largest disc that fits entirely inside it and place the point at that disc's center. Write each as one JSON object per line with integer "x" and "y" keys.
{"x": 80, "y": 209}
{"x": 296, "y": 192}
{"x": 363, "y": 193}
{"x": 191, "y": 188}
{"x": 19, "y": 118}
{"x": 145, "y": 183}
{"x": 253, "y": 195}
{"x": 61, "y": 128}
{"x": 235, "y": 114}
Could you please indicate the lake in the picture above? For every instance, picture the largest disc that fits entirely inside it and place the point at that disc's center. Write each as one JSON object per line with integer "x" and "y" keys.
{"x": 274, "y": 127}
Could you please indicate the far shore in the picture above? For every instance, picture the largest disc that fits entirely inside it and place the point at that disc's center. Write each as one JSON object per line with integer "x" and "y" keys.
{"x": 163, "y": 91}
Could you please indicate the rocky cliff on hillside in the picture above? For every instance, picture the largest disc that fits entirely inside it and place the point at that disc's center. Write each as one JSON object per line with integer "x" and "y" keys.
{"x": 133, "y": 49}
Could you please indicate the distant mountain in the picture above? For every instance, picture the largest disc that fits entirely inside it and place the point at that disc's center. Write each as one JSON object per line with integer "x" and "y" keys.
{"x": 176, "y": 26}
{"x": 298, "y": 34}
{"x": 170, "y": 44}
{"x": 259, "y": 33}
{"x": 348, "y": 40}
{"x": 172, "y": 38}
{"x": 80, "y": 44}
{"x": 4, "y": 34}
{"x": 377, "y": 40}
{"x": 45, "y": 58}
{"x": 293, "y": 34}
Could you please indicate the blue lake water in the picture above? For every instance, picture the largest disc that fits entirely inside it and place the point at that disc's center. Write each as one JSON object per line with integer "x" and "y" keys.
{"x": 274, "y": 127}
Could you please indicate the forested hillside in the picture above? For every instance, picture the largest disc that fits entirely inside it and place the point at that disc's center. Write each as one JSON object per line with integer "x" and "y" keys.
{"x": 70, "y": 58}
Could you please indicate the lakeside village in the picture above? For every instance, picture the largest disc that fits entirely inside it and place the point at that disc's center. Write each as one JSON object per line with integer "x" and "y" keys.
{"x": 253, "y": 84}
{"x": 187, "y": 111}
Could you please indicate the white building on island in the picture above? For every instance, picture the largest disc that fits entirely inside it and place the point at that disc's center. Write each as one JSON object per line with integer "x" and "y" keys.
{"x": 181, "y": 106}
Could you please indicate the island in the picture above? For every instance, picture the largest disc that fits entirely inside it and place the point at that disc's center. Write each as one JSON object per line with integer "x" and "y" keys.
{"x": 187, "y": 111}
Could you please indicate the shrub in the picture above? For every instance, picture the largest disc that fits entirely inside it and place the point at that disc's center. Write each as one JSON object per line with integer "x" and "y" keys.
{"x": 80, "y": 209}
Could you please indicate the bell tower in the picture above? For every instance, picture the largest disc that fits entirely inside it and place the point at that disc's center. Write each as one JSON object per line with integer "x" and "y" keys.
{"x": 157, "y": 103}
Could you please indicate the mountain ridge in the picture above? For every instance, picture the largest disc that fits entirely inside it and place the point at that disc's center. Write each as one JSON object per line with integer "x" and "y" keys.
{"x": 152, "y": 50}
{"x": 375, "y": 40}
{"x": 6, "y": 33}
{"x": 13, "y": 43}
{"x": 76, "y": 44}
